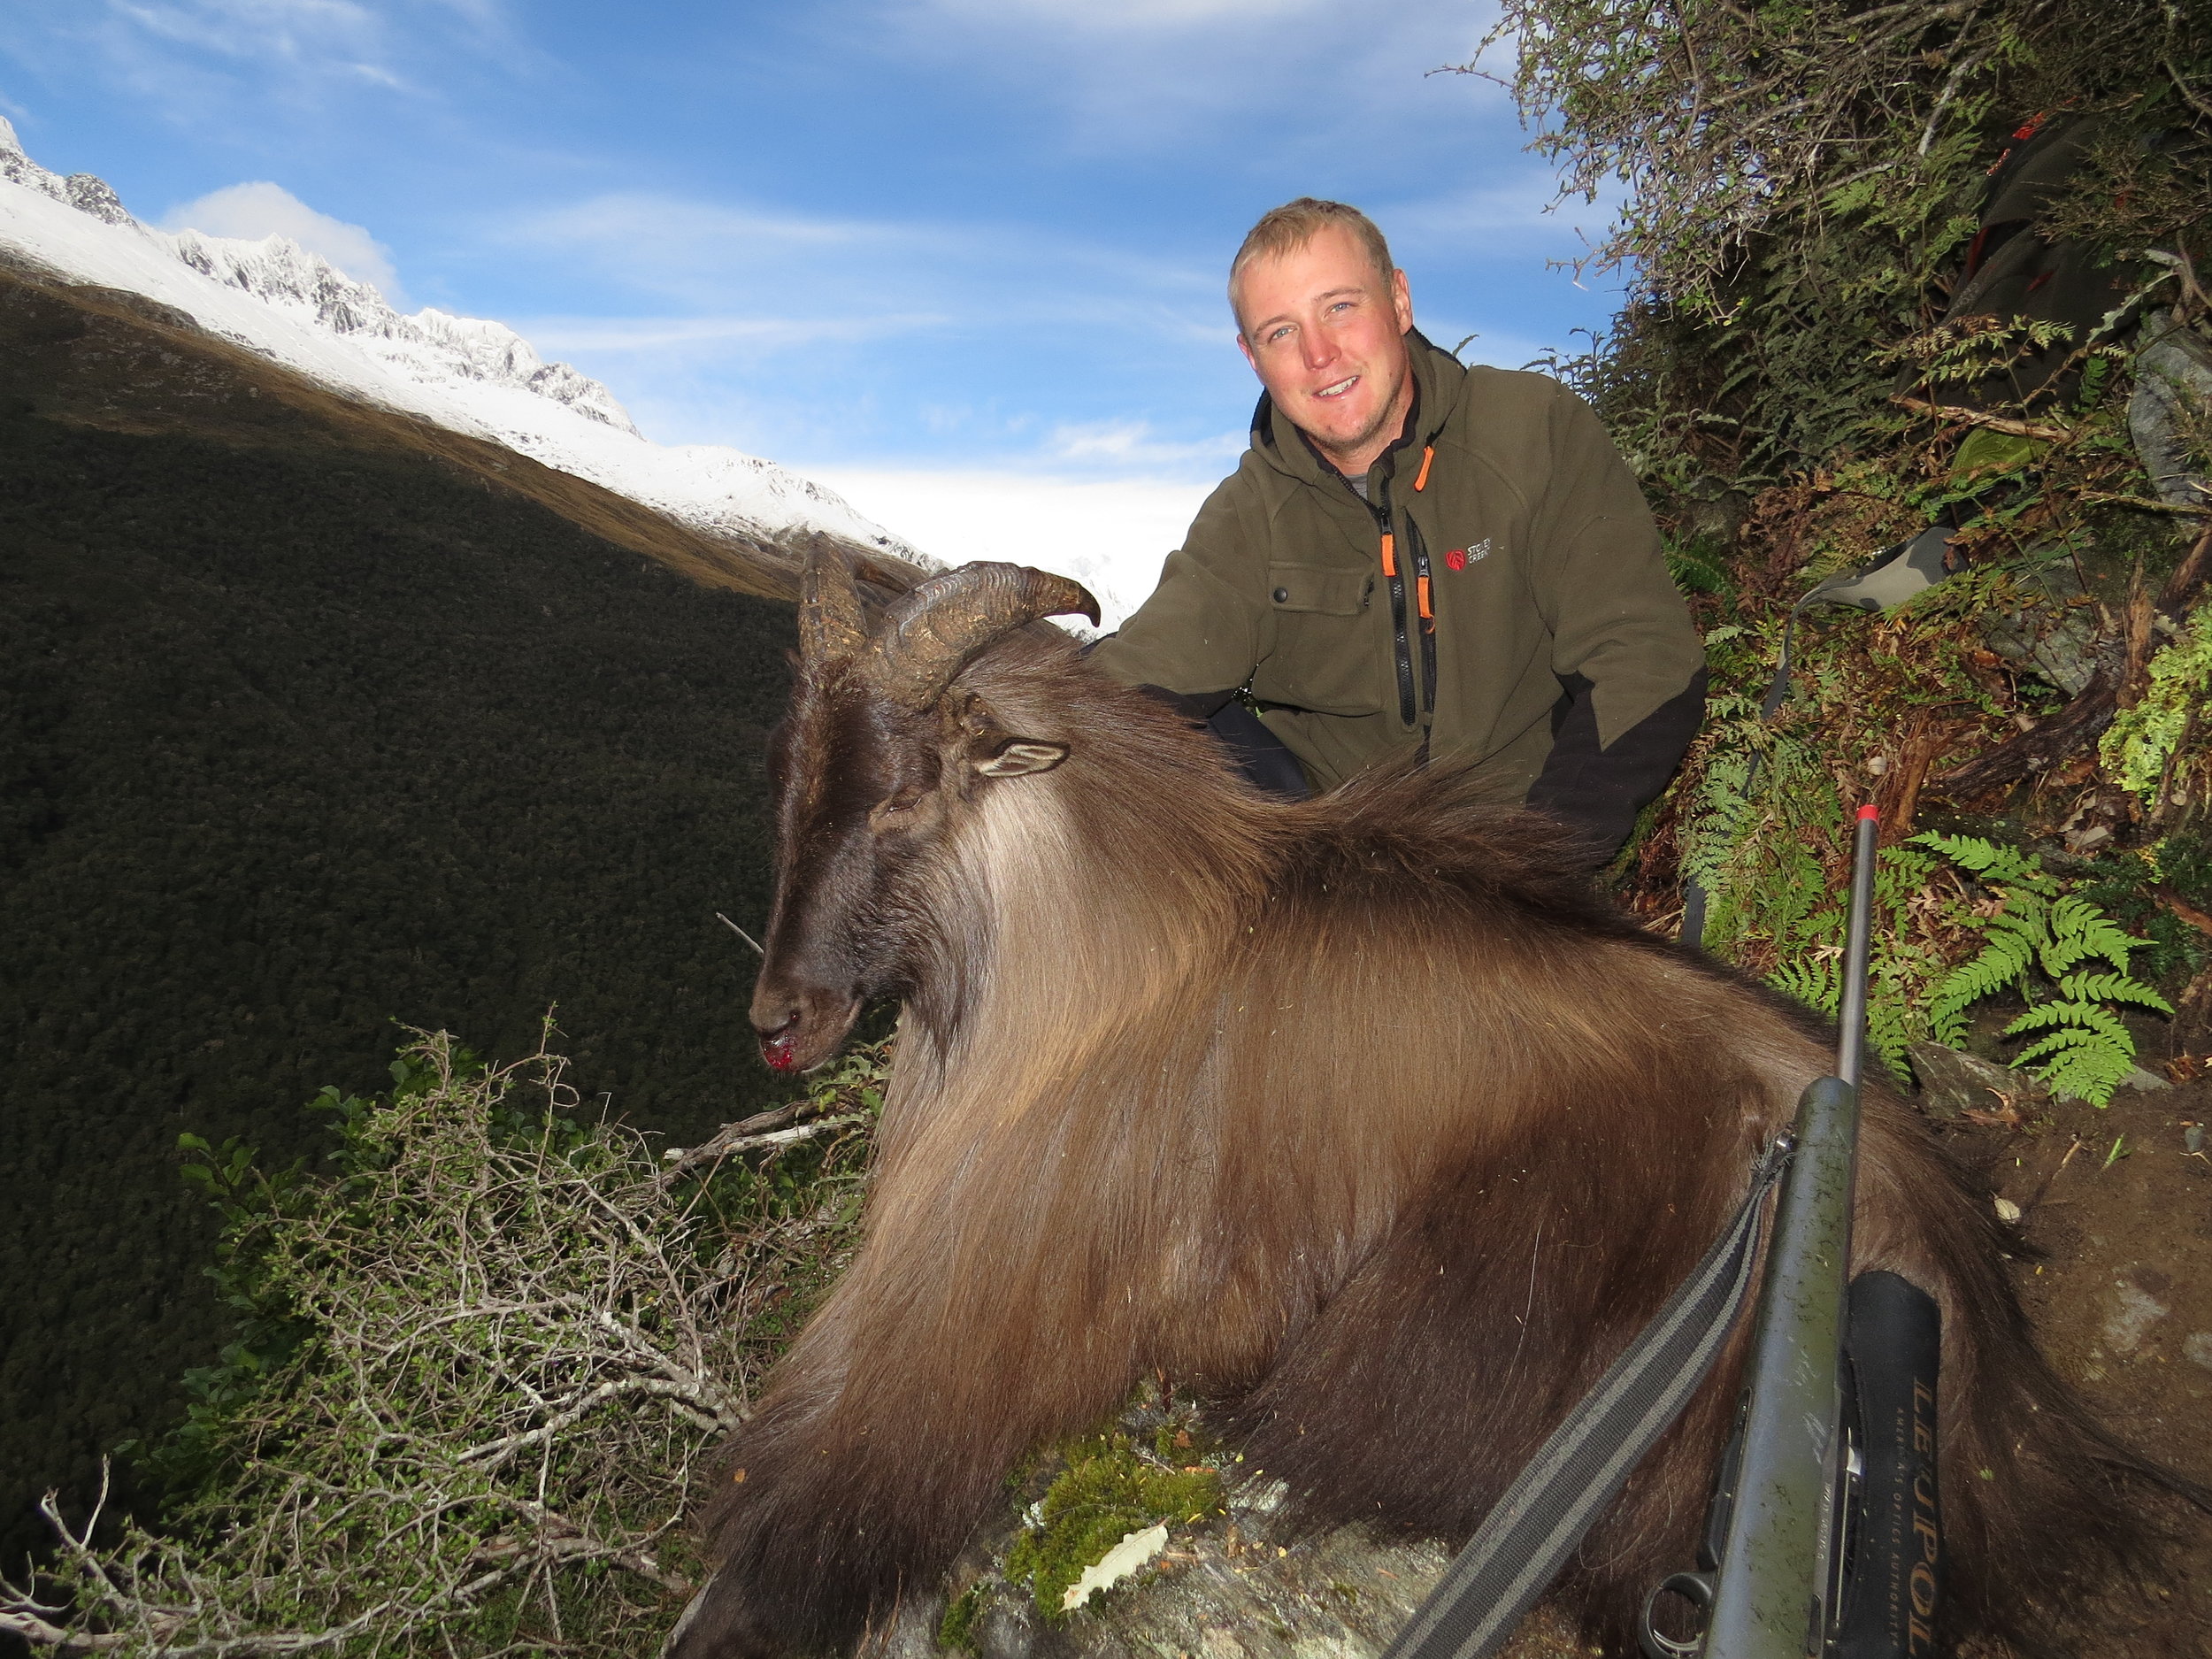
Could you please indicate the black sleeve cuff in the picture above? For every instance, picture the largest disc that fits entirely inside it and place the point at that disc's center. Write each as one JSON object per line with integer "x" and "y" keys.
{"x": 1596, "y": 792}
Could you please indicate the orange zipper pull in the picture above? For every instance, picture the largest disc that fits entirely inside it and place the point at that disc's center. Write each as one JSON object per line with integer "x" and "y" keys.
{"x": 1421, "y": 595}
{"x": 1421, "y": 478}
{"x": 1390, "y": 554}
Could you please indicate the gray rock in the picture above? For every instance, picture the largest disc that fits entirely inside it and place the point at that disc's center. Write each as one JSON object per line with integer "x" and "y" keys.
{"x": 1951, "y": 1082}
{"x": 2170, "y": 415}
{"x": 2144, "y": 1081}
{"x": 90, "y": 194}
{"x": 2134, "y": 1310}
{"x": 1342, "y": 1595}
{"x": 2048, "y": 633}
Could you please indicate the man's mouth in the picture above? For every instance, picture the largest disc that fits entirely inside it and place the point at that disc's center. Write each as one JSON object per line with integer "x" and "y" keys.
{"x": 1340, "y": 388}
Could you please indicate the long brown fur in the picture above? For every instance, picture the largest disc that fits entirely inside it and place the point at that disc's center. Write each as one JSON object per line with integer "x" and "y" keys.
{"x": 1361, "y": 1116}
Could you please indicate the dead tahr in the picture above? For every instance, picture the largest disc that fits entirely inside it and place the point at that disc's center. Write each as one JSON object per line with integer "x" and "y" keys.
{"x": 1360, "y": 1117}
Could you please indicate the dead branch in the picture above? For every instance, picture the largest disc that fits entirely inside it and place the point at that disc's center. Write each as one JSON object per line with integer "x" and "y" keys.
{"x": 732, "y": 1139}
{"x": 1976, "y": 418}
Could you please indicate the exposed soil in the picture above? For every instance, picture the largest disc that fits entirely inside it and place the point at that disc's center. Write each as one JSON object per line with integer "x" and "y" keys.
{"x": 2120, "y": 1212}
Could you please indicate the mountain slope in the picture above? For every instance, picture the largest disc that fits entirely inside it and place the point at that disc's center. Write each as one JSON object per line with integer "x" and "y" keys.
{"x": 474, "y": 379}
{"x": 314, "y": 717}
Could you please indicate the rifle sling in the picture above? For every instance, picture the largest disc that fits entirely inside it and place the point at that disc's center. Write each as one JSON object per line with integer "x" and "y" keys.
{"x": 1529, "y": 1532}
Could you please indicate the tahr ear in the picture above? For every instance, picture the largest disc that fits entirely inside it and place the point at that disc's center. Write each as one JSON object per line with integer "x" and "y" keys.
{"x": 996, "y": 752}
{"x": 1021, "y": 756}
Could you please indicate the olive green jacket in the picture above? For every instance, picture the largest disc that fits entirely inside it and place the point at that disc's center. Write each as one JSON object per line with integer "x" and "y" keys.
{"x": 1505, "y": 514}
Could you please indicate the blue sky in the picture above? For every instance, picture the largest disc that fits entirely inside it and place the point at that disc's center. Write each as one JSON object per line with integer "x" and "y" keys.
{"x": 958, "y": 241}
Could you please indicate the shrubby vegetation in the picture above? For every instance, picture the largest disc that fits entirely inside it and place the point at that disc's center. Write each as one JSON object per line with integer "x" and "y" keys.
{"x": 293, "y": 743}
{"x": 482, "y": 1354}
{"x": 1803, "y": 184}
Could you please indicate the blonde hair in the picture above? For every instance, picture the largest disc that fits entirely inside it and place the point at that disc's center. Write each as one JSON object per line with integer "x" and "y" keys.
{"x": 1289, "y": 227}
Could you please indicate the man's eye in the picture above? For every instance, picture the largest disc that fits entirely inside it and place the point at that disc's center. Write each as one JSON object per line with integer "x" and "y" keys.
{"x": 1275, "y": 335}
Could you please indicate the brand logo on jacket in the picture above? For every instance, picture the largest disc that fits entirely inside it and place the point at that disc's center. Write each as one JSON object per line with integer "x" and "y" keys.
{"x": 1460, "y": 558}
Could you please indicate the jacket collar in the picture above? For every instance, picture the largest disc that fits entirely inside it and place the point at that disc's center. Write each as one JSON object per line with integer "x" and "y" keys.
{"x": 1437, "y": 376}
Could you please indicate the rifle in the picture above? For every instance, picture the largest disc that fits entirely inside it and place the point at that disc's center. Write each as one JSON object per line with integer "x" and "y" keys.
{"x": 1822, "y": 1540}
{"x": 1824, "y": 1535}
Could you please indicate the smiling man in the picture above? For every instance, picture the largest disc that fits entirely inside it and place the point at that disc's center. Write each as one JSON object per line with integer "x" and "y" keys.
{"x": 1417, "y": 559}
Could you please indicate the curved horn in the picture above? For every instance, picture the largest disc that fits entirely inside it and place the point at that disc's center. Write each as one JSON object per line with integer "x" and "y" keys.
{"x": 938, "y": 628}
{"x": 830, "y": 623}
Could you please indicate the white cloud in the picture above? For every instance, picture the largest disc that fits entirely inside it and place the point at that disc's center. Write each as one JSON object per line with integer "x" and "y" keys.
{"x": 1126, "y": 443}
{"x": 261, "y": 208}
{"x": 617, "y": 334}
{"x": 234, "y": 66}
{"x": 1110, "y": 536}
{"x": 1325, "y": 84}
{"x": 1129, "y": 16}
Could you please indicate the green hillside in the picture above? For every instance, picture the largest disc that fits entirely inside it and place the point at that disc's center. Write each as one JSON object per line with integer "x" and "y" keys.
{"x": 296, "y": 741}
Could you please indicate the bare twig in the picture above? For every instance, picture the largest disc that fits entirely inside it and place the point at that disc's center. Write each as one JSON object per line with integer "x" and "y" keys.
{"x": 2144, "y": 503}
{"x": 732, "y": 1139}
{"x": 740, "y": 932}
{"x": 1976, "y": 418}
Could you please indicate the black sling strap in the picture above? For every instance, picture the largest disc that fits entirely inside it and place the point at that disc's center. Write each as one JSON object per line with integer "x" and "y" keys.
{"x": 1529, "y": 1532}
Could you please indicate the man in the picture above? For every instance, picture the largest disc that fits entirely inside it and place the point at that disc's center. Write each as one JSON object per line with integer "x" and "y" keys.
{"x": 1417, "y": 560}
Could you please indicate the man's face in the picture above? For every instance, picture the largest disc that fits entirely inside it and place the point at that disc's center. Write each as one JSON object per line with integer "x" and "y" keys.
{"x": 1325, "y": 332}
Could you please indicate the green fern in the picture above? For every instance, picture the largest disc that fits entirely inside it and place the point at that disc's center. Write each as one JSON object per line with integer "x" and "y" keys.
{"x": 2041, "y": 944}
{"x": 1809, "y": 930}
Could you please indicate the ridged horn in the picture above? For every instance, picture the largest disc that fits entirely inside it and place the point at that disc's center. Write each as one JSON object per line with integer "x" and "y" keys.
{"x": 830, "y": 624}
{"x": 936, "y": 630}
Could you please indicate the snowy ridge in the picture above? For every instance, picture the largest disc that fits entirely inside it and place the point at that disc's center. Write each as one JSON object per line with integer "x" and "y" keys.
{"x": 471, "y": 376}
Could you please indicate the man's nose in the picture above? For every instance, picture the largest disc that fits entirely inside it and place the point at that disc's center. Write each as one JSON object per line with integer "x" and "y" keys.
{"x": 1319, "y": 350}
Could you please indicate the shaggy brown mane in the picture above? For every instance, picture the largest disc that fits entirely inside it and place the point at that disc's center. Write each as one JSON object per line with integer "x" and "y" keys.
{"x": 1363, "y": 1115}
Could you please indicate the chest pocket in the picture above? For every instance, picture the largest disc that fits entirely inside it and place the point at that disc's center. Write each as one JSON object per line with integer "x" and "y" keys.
{"x": 1325, "y": 639}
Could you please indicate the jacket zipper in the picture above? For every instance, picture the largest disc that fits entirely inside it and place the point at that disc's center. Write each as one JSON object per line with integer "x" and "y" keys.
{"x": 1401, "y": 642}
{"x": 1423, "y": 611}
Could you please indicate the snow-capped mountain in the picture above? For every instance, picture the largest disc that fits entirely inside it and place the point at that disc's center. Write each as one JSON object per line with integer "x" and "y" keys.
{"x": 478, "y": 378}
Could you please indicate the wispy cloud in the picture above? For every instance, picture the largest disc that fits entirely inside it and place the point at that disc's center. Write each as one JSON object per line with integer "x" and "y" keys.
{"x": 262, "y": 209}
{"x": 1130, "y": 445}
{"x": 215, "y": 62}
{"x": 1130, "y": 17}
{"x": 664, "y": 334}
{"x": 795, "y": 277}
{"x": 1332, "y": 84}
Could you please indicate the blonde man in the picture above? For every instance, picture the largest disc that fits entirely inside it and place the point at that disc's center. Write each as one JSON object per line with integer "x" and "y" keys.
{"x": 1417, "y": 560}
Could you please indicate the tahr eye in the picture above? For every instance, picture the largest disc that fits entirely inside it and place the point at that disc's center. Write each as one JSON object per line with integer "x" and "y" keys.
{"x": 897, "y": 810}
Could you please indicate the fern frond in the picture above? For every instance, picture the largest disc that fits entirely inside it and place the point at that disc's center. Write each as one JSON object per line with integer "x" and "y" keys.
{"x": 2082, "y": 1016}
{"x": 2112, "y": 987}
{"x": 2079, "y": 1062}
{"x": 2002, "y": 964}
{"x": 1817, "y": 983}
{"x": 2079, "y": 930}
{"x": 1996, "y": 865}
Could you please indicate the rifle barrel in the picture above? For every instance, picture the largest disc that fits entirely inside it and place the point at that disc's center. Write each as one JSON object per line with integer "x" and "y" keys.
{"x": 1858, "y": 941}
{"x": 1772, "y": 1591}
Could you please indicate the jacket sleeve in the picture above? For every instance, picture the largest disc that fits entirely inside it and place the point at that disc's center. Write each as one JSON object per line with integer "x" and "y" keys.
{"x": 1207, "y": 626}
{"x": 1630, "y": 667}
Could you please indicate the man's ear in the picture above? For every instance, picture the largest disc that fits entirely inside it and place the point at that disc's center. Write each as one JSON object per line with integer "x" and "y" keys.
{"x": 994, "y": 752}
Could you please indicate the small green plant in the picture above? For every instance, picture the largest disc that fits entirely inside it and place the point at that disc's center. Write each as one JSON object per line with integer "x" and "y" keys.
{"x": 2144, "y": 745}
{"x": 956, "y": 1632}
{"x": 1108, "y": 1490}
{"x": 2061, "y": 952}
